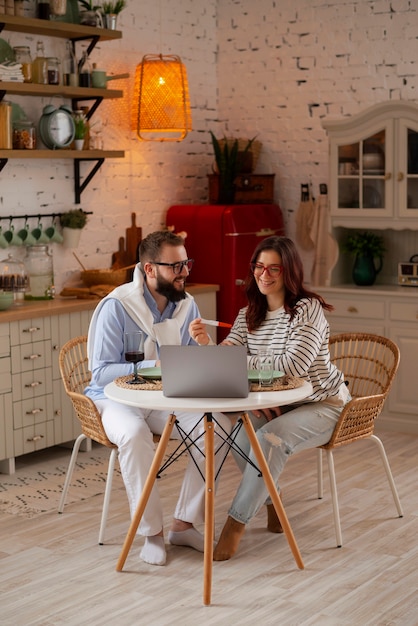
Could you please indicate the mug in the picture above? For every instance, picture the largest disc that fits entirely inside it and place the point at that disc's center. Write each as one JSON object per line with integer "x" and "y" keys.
{"x": 12, "y": 238}
{"x": 265, "y": 366}
{"x": 54, "y": 234}
{"x": 3, "y": 241}
{"x": 39, "y": 234}
{"x": 26, "y": 236}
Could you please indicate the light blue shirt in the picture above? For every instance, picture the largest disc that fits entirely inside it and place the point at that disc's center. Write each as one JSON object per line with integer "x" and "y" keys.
{"x": 108, "y": 358}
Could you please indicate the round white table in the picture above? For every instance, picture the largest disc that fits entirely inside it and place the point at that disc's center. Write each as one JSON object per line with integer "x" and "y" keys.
{"x": 255, "y": 400}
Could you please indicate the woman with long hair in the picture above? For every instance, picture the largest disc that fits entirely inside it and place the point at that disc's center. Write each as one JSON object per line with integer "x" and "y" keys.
{"x": 282, "y": 314}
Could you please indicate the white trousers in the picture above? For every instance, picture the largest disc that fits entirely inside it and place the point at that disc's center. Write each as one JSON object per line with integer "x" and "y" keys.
{"x": 132, "y": 429}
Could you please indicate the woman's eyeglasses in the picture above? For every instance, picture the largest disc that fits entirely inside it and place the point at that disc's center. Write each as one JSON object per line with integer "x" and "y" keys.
{"x": 178, "y": 267}
{"x": 272, "y": 270}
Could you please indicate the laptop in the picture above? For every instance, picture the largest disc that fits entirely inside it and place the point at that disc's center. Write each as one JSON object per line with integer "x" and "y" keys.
{"x": 204, "y": 371}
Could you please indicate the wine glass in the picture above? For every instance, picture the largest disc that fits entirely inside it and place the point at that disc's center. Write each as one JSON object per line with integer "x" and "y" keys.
{"x": 133, "y": 343}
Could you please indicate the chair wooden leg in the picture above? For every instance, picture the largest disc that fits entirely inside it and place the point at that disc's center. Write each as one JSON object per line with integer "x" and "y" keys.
{"x": 319, "y": 472}
{"x": 269, "y": 482}
{"x": 149, "y": 483}
{"x": 389, "y": 475}
{"x": 108, "y": 490}
{"x": 70, "y": 471}
{"x": 334, "y": 495}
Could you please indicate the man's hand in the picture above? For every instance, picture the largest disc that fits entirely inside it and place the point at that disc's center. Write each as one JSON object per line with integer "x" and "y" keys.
{"x": 269, "y": 414}
{"x": 198, "y": 332}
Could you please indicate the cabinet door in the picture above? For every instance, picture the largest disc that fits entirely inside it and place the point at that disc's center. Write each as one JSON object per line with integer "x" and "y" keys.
{"x": 361, "y": 172}
{"x": 403, "y": 395}
{"x": 406, "y": 174}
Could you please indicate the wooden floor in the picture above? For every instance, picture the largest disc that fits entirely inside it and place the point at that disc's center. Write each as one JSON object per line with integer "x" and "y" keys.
{"x": 54, "y": 573}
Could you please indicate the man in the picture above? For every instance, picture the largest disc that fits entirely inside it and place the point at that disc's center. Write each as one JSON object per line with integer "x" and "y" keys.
{"x": 156, "y": 303}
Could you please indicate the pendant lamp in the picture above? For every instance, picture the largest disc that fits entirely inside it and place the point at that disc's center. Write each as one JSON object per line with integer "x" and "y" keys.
{"x": 161, "y": 110}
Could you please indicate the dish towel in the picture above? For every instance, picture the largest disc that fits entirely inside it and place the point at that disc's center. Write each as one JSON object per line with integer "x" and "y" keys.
{"x": 163, "y": 333}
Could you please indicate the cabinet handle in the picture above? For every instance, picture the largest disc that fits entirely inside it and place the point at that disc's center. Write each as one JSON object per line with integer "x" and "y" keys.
{"x": 32, "y": 357}
{"x": 34, "y": 411}
{"x": 401, "y": 176}
{"x": 58, "y": 412}
{"x": 352, "y": 309}
{"x": 35, "y": 383}
{"x": 388, "y": 175}
{"x": 55, "y": 348}
{"x": 31, "y": 329}
{"x": 35, "y": 438}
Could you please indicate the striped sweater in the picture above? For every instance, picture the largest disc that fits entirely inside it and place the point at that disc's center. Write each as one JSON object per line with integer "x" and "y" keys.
{"x": 300, "y": 347}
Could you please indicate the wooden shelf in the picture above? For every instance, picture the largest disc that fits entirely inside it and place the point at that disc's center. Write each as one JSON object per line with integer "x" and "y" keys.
{"x": 56, "y": 29}
{"x": 34, "y": 89}
{"x": 62, "y": 154}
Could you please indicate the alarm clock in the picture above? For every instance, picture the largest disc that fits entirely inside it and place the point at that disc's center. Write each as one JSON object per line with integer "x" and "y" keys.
{"x": 56, "y": 126}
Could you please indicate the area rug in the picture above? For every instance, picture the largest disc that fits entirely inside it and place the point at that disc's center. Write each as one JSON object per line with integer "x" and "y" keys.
{"x": 36, "y": 486}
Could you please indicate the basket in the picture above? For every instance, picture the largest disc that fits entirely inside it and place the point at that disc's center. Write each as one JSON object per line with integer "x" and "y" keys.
{"x": 106, "y": 277}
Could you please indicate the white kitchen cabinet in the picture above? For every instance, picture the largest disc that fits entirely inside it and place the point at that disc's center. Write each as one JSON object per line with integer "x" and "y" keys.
{"x": 391, "y": 312}
{"x": 374, "y": 167}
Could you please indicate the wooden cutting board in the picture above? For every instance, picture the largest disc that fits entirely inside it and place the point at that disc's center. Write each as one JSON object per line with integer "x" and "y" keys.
{"x": 133, "y": 239}
{"x": 121, "y": 257}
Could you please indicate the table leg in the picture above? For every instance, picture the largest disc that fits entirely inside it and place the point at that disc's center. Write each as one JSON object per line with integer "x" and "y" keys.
{"x": 149, "y": 483}
{"x": 268, "y": 480}
{"x": 209, "y": 508}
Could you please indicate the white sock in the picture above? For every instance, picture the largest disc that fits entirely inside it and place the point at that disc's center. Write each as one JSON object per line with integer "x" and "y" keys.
{"x": 191, "y": 538}
{"x": 153, "y": 551}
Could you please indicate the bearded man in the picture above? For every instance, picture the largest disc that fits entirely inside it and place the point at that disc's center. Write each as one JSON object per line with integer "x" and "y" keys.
{"x": 156, "y": 303}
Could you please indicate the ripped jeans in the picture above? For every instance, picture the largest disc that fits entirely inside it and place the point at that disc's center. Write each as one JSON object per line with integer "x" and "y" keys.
{"x": 307, "y": 426}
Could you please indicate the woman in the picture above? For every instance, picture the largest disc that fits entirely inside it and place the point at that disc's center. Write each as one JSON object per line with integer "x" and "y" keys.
{"x": 285, "y": 316}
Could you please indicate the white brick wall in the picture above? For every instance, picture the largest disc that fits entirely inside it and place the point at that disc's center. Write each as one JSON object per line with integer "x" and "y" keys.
{"x": 273, "y": 68}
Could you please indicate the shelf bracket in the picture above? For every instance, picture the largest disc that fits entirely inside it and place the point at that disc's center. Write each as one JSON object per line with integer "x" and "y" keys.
{"x": 92, "y": 109}
{"x": 3, "y": 163}
{"x": 92, "y": 43}
{"x": 79, "y": 186}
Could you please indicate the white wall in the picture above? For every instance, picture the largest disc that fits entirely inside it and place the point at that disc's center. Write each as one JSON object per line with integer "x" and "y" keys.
{"x": 273, "y": 67}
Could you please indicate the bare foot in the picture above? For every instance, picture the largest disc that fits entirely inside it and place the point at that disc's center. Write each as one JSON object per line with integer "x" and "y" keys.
{"x": 229, "y": 540}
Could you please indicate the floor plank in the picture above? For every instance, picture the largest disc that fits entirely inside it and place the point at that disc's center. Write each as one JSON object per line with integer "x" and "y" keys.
{"x": 54, "y": 573}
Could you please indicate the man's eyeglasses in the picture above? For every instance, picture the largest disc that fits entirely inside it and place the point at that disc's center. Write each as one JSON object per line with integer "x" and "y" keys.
{"x": 272, "y": 270}
{"x": 178, "y": 267}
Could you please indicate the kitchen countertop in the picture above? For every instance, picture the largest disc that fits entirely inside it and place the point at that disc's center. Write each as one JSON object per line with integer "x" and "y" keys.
{"x": 58, "y": 306}
{"x": 351, "y": 289}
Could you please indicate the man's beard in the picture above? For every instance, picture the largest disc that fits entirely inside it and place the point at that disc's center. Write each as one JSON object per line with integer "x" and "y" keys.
{"x": 167, "y": 289}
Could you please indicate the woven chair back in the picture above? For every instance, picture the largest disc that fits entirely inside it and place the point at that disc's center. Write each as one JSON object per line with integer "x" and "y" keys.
{"x": 73, "y": 364}
{"x": 369, "y": 364}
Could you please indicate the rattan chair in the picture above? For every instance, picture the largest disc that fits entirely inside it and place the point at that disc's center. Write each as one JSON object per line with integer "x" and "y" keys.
{"x": 369, "y": 363}
{"x": 73, "y": 363}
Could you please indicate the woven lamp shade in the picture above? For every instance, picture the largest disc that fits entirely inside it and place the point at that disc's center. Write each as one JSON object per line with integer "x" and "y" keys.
{"x": 161, "y": 110}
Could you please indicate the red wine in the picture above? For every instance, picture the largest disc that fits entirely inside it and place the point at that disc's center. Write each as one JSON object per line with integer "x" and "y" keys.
{"x": 134, "y": 357}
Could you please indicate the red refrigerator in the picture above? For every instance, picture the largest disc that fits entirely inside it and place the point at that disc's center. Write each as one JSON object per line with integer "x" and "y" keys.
{"x": 221, "y": 240}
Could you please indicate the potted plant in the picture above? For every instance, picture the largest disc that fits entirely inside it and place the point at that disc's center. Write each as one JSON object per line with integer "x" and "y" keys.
{"x": 230, "y": 162}
{"x": 80, "y": 129}
{"x": 111, "y": 10}
{"x": 72, "y": 223}
{"x": 90, "y": 13}
{"x": 366, "y": 247}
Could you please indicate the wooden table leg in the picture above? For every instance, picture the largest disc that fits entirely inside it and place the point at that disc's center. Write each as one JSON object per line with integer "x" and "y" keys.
{"x": 268, "y": 480}
{"x": 209, "y": 508}
{"x": 149, "y": 483}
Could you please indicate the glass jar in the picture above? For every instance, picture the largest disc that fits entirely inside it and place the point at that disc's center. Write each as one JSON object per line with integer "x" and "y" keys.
{"x": 23, "y": 56}
{"x": 57, "y": 7}
{"x": 5, "y": 125}
{"x": 53, "y": 69}
{"x": 13, "y": 277}
{"x": 38, "y": 263}
{"x": 24, "y": 135}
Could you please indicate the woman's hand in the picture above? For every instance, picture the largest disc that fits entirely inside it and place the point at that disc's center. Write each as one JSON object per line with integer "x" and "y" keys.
{"x": 198, "y": 332}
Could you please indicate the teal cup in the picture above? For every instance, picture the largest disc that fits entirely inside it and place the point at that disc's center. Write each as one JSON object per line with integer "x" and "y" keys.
{"x": 54, "y": 234}
{"x": 39, "y": 235}
{"x": 26, "y": 237}
{"x": 3, "y": 241}
{"x": 12, "y": 238}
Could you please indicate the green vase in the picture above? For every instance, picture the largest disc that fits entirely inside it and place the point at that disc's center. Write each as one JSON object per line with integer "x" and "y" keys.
{"x": 365, "y": 270}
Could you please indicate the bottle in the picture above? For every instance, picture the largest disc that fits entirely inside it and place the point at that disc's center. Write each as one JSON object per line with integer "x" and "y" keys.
{"x": 43, "y": 10}
{"x": 6, "y": 125}
{"x": 39, "y": 66}
{"x": 84, "y": 69}
{"x": 53, "y": 70}
{"x": 70, "y": 71}
{"x": 23, "y": 56}
{"x": 38, "y": 263}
